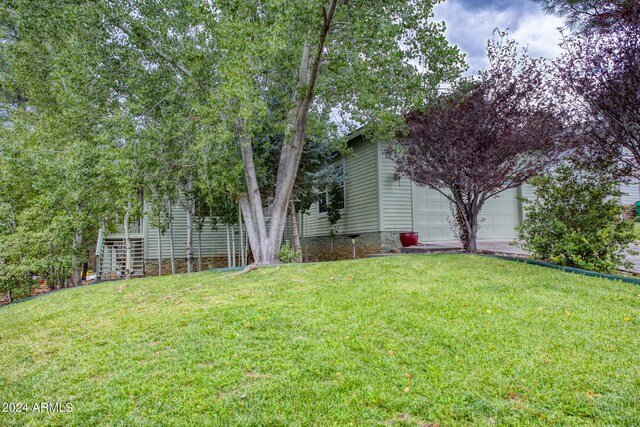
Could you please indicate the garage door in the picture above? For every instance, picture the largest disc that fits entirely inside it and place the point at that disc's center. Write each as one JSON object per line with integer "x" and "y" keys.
{"x": 431, "y": 216}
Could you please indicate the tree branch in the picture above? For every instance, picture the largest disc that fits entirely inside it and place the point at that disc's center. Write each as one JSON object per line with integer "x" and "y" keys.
{"x": 173, "y": 62}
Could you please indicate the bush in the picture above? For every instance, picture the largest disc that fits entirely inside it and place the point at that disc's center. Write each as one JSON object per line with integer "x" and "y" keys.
{"x": 575, "y": 220}
{"x": 287, "y": 254}
{"x": 16, "y": 281}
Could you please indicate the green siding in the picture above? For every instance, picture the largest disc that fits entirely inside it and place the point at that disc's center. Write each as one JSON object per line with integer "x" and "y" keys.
{"x": 361, "y": 214}
{"x": 526, "y": 191}
{"x": 631, "y": 193}
{"x": 396, "y": 208}
{"x": 214, "y": 243}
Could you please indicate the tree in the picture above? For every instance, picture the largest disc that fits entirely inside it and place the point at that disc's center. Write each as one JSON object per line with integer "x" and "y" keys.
{"x": 574, "y": 220}
{"x": 59, "y": 119}
{"x": 488, "y": 135}
{"x": 327, "y": 51}
{"x": 600, "y": 70}
{"x": 356, "y": 57}
{"x": 363, "y": 60}
{"x": 593, "y": 15}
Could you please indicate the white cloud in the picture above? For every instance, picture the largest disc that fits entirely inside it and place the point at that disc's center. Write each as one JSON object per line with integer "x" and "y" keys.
{"x": 470, "y": 26}
{"x": 540, "y": 33}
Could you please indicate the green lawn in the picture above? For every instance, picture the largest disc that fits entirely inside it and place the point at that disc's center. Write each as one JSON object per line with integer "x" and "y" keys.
{"x": 411, "y": 340}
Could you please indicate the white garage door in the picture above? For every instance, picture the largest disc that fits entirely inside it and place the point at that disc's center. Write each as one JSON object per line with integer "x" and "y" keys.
{"x": 431, "y": 216}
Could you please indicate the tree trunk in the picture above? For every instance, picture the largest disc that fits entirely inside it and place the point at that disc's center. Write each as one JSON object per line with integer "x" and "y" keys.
{"x": 85, "y": 270}
{"x": 228, "y": 247}
{"x": 127, "y": 243}
{"x": 251, "y": 205}
{"x": 200, "y": 249}
{"x": 76, "y": 267}
{"x": 472, "y": 232}
{"x": 189, "y": 241}
{"x": 295, "y": 236}
{"x": 265, "y": 246}
{"x": 159, "y": 252}
{"x": 471, "y": 222}
{"x": 302, "y": 244}
{"x": 233, "y": 245}
{"x": 189, "y": 207}
{"x": 172, "y": 252}
{"x": 243, "y": 256}
{"x": 332, "y": 236}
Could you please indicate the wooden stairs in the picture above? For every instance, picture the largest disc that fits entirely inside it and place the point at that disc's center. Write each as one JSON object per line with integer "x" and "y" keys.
{"x": 111, "y": 256}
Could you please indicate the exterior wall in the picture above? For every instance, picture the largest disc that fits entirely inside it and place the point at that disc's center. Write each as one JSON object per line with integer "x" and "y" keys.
{"x": 318, "y": 248}
{"x": 214, "y": 243}
{"x": 395, "y": 194}
{"x": 631, "y": 193}
{"x": 361, "y": 213}
{"x": 151, "y": 266}
{"x": 526, "y": 191}
{"x": 407, "y": 207}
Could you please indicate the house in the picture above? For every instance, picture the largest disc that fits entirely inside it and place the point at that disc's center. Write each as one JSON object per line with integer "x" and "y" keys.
{"x": 376, "y": 205}
{"x": 212, "y": 247}
{"x": 631, "y": 193}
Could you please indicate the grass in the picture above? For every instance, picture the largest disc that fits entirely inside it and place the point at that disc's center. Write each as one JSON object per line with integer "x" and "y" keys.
{"x": 413, "y": 340}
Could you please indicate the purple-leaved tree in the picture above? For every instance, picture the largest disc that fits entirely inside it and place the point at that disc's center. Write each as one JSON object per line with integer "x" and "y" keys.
{"x": 489, "y": 134}
{"x": 601, "y": 73}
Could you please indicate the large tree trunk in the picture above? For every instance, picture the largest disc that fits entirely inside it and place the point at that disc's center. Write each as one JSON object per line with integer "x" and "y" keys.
{"x": 265, "y": 246}
{"x": 470, "y": 214}
{"x": 466, "y": 208}
{"x": 251, "y": 205}
{"x": 295, "y": 235}
{"x": 172, "y": 252}
{"x": 472, "y": 232}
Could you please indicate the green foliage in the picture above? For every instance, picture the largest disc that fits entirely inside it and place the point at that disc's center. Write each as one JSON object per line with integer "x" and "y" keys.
{"x": 333, "y": 208}
{"x": 370, "y": 342}
{"x": 287, "y": 254}
{"x": 105, "y": 100}
{"x": 15, "y": 279}
{"x": 575, "y": 220}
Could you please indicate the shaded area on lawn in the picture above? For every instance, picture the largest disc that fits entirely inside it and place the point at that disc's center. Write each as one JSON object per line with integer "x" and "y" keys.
{"x": 393, "y": 341}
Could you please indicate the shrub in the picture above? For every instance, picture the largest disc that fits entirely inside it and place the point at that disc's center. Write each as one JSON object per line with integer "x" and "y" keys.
{"x": 287, "y": 254}
{"x": 575, "y": 220}
{"x": 15, "y": 281}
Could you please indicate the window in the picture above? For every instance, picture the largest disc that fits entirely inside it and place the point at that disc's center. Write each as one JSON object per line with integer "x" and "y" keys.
{"x": 324, "y": 197}
{"x": 323, "y": 203}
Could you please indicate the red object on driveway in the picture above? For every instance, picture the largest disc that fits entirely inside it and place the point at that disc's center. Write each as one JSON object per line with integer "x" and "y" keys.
{"x": 409, "y": 239}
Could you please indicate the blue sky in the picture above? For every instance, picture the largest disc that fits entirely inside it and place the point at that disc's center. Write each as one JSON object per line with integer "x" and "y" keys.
{"x": 470, "y": 23}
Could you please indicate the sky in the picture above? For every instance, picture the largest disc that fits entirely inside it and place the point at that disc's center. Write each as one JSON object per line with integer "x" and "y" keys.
{"x": 470, "y": 23}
